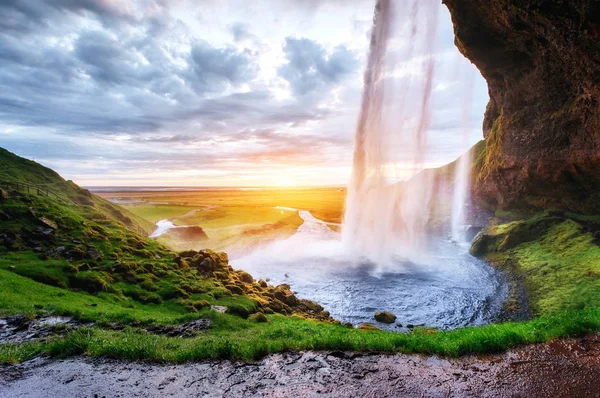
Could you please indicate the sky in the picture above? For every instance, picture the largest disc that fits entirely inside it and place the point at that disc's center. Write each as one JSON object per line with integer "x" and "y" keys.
{"x": 210, "y": 92}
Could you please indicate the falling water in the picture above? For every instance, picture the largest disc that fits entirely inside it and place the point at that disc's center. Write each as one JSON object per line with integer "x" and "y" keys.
{"x": 462, "y": 171}
{"x": 385, "y": 218}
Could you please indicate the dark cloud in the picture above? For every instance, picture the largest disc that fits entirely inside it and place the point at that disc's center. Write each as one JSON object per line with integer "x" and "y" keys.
{"x": 309, "y": 67}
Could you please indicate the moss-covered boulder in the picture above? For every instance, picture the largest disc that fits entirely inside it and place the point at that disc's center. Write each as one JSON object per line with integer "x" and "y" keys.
{"x": 385, "y": 317}
{"x": 367, "y": 326}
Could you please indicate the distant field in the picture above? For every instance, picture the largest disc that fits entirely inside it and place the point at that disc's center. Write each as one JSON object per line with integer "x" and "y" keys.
{"x": 234, "y": 220}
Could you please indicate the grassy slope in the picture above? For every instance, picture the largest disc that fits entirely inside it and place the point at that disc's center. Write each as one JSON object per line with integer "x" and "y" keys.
{"x": 556, "y": 256}
{"x": 17, "y": 169}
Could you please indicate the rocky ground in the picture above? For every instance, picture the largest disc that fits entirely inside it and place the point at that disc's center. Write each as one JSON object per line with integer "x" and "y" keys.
{"x": 565, "y": 368}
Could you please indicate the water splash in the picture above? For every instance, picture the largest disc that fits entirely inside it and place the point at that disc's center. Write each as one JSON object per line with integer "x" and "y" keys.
{"x": 385, "y": 218}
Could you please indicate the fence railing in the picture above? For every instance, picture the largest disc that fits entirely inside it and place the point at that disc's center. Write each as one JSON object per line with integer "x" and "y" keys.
{"x": 31, "y": 189}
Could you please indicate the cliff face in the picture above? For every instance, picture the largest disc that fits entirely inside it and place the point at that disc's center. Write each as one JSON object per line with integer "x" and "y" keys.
{"x": 541, "y": 59}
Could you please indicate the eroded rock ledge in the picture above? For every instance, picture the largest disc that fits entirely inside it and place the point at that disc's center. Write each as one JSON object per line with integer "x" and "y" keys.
{"x": 541, "y": 60}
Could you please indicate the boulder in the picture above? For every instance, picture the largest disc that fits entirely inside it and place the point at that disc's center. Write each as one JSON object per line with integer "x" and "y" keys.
{"x": 245, "y": 277}
{"x": 385, "y": 317}
{"x": 367, "y": 326}
{"x": 258, "y": 317}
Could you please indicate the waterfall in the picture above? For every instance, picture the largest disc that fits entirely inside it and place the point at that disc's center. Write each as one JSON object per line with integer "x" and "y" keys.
{"x": 385, "y": 218}
{"x": 462, "y": 170}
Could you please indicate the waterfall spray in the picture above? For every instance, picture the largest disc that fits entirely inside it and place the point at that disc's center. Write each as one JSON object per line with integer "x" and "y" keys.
{"x": 383, "y": 218}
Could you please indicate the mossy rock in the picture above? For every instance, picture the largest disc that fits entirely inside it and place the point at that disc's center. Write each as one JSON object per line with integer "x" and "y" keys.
{"x": 245, "y": 277}
{"x": 234, "y": 289}
{"x": 259, "y": 317}
{"x": 367, "y": 326}
{"x": 385, "y": 317}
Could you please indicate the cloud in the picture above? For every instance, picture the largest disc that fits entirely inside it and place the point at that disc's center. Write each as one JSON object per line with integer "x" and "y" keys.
{"x": 214, "y": 68}
{"x": 310, "y": 67}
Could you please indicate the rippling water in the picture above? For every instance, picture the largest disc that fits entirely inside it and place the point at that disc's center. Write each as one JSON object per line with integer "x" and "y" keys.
{"x": 449, "y": 289}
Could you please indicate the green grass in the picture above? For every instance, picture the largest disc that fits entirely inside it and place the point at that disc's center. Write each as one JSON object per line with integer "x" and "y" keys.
{"x": 232, "y": 338}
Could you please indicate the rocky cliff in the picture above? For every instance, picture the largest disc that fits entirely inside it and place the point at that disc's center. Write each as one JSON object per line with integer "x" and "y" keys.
{"x": 541, "y": 59}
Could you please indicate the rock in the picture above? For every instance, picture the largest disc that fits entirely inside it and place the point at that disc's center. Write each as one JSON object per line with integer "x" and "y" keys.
{"x": 188, "y": 254}
{"x": 245, "y": 277}
{"x": 367, "y": 326}
{"x": 472, "y": 232}
{"x": 219, "y": 308}
{"x": 541, "y": 61}
{"x": 94, "y": 253}
{"x": 12, "y": 267}
{"x": 258, "y": 317}
{"x": 348, "y": 325}
{"x": 48, "y": 223}
{"x": 189, "y": 329}
{"x": 3, "y": 195}
{"x": 262, "y": 283}
{"x": 480, "y": 245}
{"x": 385, "y": 317}
{"x": 234, "y": 289}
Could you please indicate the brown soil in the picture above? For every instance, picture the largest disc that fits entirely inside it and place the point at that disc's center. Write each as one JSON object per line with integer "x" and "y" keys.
{"x": 563, "y": 368}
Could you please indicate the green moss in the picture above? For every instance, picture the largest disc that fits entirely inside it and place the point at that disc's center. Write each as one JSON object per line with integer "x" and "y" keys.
{"x": 493, "y": 149}
{"x": 558, "y": 261}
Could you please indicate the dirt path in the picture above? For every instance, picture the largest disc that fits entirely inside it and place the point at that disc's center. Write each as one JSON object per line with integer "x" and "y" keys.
{"x": 566, "y": 368}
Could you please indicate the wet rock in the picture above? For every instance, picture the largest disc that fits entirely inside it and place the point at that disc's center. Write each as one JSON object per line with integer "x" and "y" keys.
{"x": 189, "y": 329}
{"x": 20, "y": 329}
{"x": 385, "y": 317}
{"x": 471, "y": 233}
{"x": 559, "y": 369}
{"x": 480, "y": 244}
